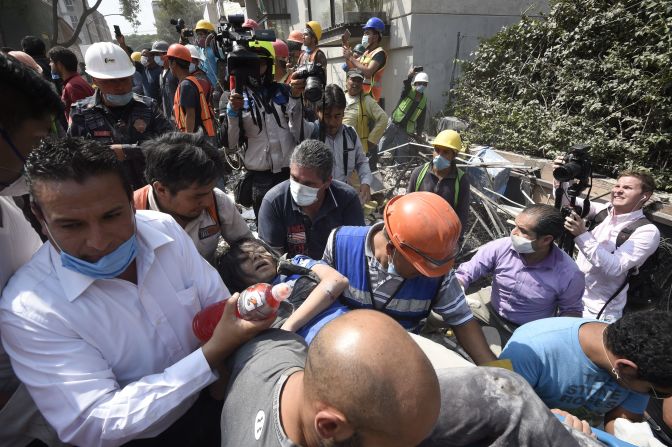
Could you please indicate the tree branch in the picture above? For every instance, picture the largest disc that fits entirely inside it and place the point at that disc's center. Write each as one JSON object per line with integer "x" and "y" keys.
{"x": 82, "y": 21}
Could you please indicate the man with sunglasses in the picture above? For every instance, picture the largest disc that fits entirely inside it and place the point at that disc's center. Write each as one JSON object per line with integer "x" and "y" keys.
{"x": 594, "y": 370}
{"x": 402, "y": 267}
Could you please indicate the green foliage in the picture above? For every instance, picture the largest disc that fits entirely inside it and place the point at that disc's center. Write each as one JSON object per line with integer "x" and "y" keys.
{"x": 188, "y": 10}
{"x": 139, "y": 41}
{"x": 592, "y": 71}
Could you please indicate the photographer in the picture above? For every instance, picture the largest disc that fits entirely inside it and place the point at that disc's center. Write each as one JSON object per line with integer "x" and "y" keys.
{"x": 258, "y": 118}
{"x": 605, "y": 264}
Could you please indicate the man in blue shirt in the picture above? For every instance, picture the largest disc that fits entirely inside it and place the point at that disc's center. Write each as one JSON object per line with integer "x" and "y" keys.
{"x": 297, "y": 215}
{"x": 593, "y": 369}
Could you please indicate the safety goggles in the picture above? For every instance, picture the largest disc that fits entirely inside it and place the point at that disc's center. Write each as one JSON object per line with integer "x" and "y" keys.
{"x": 431, "y": 260}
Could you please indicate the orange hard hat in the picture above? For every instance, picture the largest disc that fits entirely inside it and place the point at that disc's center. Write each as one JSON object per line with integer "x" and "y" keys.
{"x": 296, "y": 36}
{"x": 179, "y": 51}
{"x": 281, "y": 49}
{"x": 423, "y": 227}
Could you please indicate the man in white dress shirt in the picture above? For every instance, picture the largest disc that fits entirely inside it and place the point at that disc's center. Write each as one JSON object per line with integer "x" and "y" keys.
{"x": 98, "y": 323}
{"x": 604, "y": 262}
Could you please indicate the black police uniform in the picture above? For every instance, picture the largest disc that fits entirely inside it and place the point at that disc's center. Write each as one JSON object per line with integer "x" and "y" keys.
{"x": 139, "y": 120}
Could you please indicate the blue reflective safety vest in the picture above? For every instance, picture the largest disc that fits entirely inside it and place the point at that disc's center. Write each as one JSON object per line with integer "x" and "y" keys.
{"x": 409, "y": 304}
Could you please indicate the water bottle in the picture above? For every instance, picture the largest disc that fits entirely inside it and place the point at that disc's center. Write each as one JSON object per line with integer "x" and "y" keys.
{"x": 257, "y": 302}
{"x": 261, "y": 301}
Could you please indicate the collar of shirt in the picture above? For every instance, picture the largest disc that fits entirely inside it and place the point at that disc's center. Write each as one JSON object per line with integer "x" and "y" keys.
{"x": 627, "y": 217}
{"x": 74, "y": 284}
{"x": 368, "y": 248}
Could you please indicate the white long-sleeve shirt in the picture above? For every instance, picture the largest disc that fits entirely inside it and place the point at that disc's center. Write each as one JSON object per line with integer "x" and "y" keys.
{"x": 605, "y": 266}
{"x": 107, "y": 361}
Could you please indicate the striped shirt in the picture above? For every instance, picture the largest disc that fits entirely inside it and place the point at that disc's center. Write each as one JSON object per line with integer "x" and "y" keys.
{"x": 450, "y": 302}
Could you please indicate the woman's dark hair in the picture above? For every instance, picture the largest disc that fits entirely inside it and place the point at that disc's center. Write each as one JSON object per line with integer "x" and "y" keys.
{"x": 228, "y": 264}
{"x": 179, "y": 159}
{"x": 65, "y": 57}
{"x": 644, "y": 338}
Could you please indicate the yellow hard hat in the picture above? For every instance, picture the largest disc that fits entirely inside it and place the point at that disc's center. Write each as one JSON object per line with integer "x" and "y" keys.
{"x": 449, "y": 139}
{"x": 315, "y": 28}
{"x": 204, "y": 24}
{"x": 135, "y": 56}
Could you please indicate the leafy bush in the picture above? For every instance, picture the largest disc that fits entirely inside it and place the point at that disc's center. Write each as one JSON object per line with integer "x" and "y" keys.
{"x": 592, "y": 71}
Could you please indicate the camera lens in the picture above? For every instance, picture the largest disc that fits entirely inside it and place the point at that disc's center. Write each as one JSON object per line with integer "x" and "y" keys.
{"x": 313, "y": 91}
{"x": 567, "y": 172}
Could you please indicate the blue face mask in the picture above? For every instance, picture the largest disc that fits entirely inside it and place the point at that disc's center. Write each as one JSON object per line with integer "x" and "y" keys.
{"x": 306, "y": 49}
{"x": 192, "y": 67}
{"x": 55, "y": 76}
{"x": 390, "y": 265}
{"x": 440, "y": 163}
{"x": 118, "y": 100}
{"x": 108, "y": 267}
{"x": 420, "y": 88}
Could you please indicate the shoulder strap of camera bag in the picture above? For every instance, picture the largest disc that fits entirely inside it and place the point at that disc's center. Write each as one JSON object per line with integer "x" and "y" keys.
{"x": 623, "y": 236}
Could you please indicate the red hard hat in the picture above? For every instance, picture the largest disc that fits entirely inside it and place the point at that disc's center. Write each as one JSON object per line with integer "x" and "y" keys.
{"x": 296, "y": 36}
{"x": 425, "y": 230}
{"x": 281, "y": 49}
{"x": 179, "y": 51}
{"x": 251, "y": 24}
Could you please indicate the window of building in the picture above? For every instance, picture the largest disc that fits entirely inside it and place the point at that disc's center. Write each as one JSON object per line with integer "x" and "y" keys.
{"x": 320, "y": 11}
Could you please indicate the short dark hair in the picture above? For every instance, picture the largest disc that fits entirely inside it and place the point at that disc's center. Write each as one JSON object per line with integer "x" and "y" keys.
{"x": 648, "y": 183}
{"x": 314, "y": 154}
{"x": 73, "y": 158}
{"x": 178, "y": 160}
{"x": 65, "y": 57}
{"x": 644, "y": 338}
{"x": 549, "y": 220}
{"x": 228, "y": 264}
{"x": 332, "y": 98}
{"x": 30, "y": 95}
{"x": 33, "y": 45}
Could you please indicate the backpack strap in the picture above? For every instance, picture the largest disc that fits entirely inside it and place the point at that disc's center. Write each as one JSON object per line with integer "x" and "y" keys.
{"x": 598, "y": 219}
{"x": 626, "y": 232}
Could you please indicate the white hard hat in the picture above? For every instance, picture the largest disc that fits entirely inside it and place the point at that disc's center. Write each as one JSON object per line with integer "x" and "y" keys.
{"x": 421, "y": 77}
{"x": 195, "y": 54}
{"x": 105, "y": 60}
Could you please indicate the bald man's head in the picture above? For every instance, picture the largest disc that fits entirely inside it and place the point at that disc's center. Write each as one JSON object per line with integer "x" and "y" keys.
{"x": 365, "y": 366}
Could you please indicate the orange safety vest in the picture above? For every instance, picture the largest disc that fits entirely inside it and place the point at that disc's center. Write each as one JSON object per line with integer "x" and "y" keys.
{"x": 374, "y": 85}
{"x": 206, "y": 113}
{"x": 141, "y": 200}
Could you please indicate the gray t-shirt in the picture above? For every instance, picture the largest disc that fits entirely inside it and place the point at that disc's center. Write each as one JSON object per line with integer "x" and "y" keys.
{"x": 259, "y": 370}
{"x": 496, "y": 407}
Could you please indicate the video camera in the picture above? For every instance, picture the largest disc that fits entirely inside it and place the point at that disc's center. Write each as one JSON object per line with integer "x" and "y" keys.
{"x": 577, "y": 165}
{"x": 232, "y": 45}
{"x": 181, "y": 28}
{"x": 315, "y": 78}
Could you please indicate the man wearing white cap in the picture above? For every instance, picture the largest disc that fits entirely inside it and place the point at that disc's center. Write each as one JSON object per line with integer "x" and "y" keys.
{"x": 114, "y": 114}
{"x": 196, "y": 70}
{"x": 408, "y": 118}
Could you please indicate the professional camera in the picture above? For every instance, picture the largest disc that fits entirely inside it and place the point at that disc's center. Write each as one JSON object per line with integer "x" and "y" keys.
{"x": 232, "y": 45}
{"x": 577, "y": 165}
{"x": 181, "y": 28}
{"x": 315, "y": 78}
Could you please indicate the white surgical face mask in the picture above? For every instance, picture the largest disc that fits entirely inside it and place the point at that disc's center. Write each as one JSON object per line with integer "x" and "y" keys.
{"x": 365, "y": 40}
{"x": 18, "y": 188}
{"x": 158, "y": 61}
{"x": 303, "y": 195}
{"x": 192, "y": 67}
{"x": 144, "y": 61}
{"x": 521, "y": 244}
